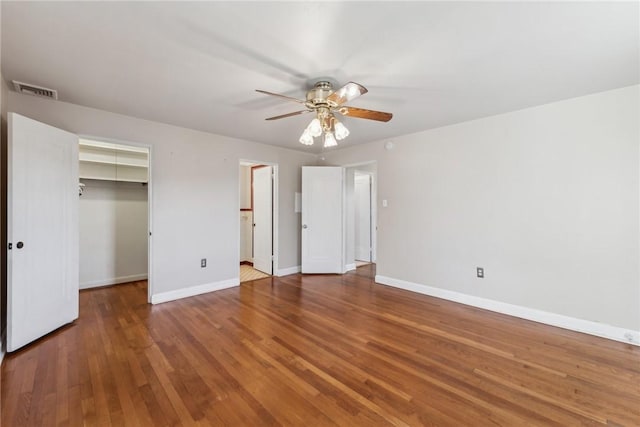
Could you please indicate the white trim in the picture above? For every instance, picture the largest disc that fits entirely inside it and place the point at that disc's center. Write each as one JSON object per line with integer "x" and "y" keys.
{"x": 3, "y": 340}
{"x": 350, "y": 267}
{"x": 194, "y": 290}
{"x": 574, "y": 324}
{"x": 343, "y": 255}
{"x": 113, "y": 281}
{"x": 150, "y": 256}
{"x": 288, "y": 271}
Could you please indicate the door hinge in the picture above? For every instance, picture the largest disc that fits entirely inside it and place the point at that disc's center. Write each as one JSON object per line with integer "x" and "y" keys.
{"x": 10, "y": 246}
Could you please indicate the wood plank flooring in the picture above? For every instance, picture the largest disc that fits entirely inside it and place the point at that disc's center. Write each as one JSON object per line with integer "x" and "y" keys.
{"x": 314, "y": 351}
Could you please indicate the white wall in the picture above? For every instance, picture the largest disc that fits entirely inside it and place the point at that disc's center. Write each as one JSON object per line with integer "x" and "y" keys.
{"x": 113, "y": 233}
{"x": 194, "y": 193}
{"x": 546, "y": 199}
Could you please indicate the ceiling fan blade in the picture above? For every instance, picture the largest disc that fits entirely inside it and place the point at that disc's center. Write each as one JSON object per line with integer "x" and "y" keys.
{"x": 361, "y": 113}
{"x": 295, "y": 113}
{"x": 347, "y": 92}
{"x": 281, "y": 96}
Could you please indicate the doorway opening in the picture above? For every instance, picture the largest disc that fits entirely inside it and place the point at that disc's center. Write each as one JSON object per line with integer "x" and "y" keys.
{"x": 361, "y": 236}
{"x": 363, "y": 232}
{"x": 258, "y": 213}
{"x": 114, "y": 214}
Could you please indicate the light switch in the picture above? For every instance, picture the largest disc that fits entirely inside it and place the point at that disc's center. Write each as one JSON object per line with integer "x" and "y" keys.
{"x": 384, "y": 203}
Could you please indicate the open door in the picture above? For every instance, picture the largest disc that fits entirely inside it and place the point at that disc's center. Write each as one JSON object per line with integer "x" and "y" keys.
{"x": 42, "y": 230}
{"x": 263, "y": 219}
{"x": 322, "y": 219}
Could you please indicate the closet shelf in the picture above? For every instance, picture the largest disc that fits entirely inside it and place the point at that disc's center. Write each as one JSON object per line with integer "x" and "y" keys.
{"x": 111, "y": 147}
{"x": 114, "y": 163}
{"x": 102, "y": 178}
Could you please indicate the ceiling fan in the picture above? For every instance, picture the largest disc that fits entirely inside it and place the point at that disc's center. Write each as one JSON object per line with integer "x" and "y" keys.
{"x": 325, "y": 102}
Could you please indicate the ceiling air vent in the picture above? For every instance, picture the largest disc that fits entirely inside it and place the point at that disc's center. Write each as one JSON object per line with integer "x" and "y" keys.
{"x": 35, "y": 90}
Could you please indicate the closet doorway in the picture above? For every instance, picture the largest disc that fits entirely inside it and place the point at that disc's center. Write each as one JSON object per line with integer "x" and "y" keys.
{"x": 114, "y": 213}
{"x": 258, "y": 244}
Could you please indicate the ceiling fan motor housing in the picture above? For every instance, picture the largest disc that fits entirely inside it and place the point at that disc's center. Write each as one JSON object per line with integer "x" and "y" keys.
{"x": 317, "y": 97}
{"x": 325, "y": 101}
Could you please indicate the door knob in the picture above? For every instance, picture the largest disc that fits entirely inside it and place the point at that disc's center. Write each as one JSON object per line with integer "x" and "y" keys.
{"x": 19, "y": 245}
{"x": 304, "y": 225}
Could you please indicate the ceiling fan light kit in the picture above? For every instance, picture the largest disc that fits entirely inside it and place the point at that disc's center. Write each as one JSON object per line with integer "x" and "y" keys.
{"x": 315, "y": 128}
{"x": 329, "y": 140}
{"x": 306, "y": 137}
{"x": 324, "y": 101}
{"x": 341, "y": 131}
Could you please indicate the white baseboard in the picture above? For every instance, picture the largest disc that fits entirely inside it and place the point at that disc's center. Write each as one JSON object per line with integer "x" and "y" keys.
{"x": 194, "y": 290}
{"x": 288, "y": 271}
{"x": 350, "y": 267}
{"x": 579, "y": 325}
{"x": 112, "y": 281}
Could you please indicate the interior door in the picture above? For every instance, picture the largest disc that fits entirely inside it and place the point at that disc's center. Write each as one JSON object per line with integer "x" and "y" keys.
{"x": 263, "y": 219}
{"x": 42, "y": 230}
{"x": 322, "y": 219}
{"x": 362, "y": 212}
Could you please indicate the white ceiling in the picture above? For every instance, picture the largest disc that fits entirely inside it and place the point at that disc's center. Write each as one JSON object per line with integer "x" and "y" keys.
{"x": 429, "y": 63}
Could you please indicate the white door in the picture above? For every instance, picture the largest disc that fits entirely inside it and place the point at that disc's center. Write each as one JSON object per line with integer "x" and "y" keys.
{"x": 263, "y": 219}
{"x": 362, "y": 211}
{"x": 322, "y": 219}
{"x": 42, "y": 230}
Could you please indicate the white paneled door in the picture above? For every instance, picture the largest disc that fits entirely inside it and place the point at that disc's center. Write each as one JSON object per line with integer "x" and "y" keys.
{"x": 263, "y": 219}
{"x": 322, "y": 219}
{"x": 42, "y": 230}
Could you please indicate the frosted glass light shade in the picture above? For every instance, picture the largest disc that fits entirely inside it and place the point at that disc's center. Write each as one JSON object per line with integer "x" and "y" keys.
{"x": 306, "y": 138}
{"x": 314, "y": 128}
{"x": 341, "y": 131}
{"x": 329, "y": 140}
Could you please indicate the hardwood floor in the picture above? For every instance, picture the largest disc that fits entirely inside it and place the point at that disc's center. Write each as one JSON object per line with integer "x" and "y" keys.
{"x": 314, "y": 351}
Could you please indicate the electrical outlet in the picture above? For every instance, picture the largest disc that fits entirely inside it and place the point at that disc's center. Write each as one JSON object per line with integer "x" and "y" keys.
{"x": 203, "y": 262}
{"x": 480, "y": 272}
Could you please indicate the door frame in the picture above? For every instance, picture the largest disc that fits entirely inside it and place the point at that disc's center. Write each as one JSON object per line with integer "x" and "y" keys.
{"x": 274, "y": 209}
{"x": 374, "y": 206}
{"x": 149, "y": 202}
